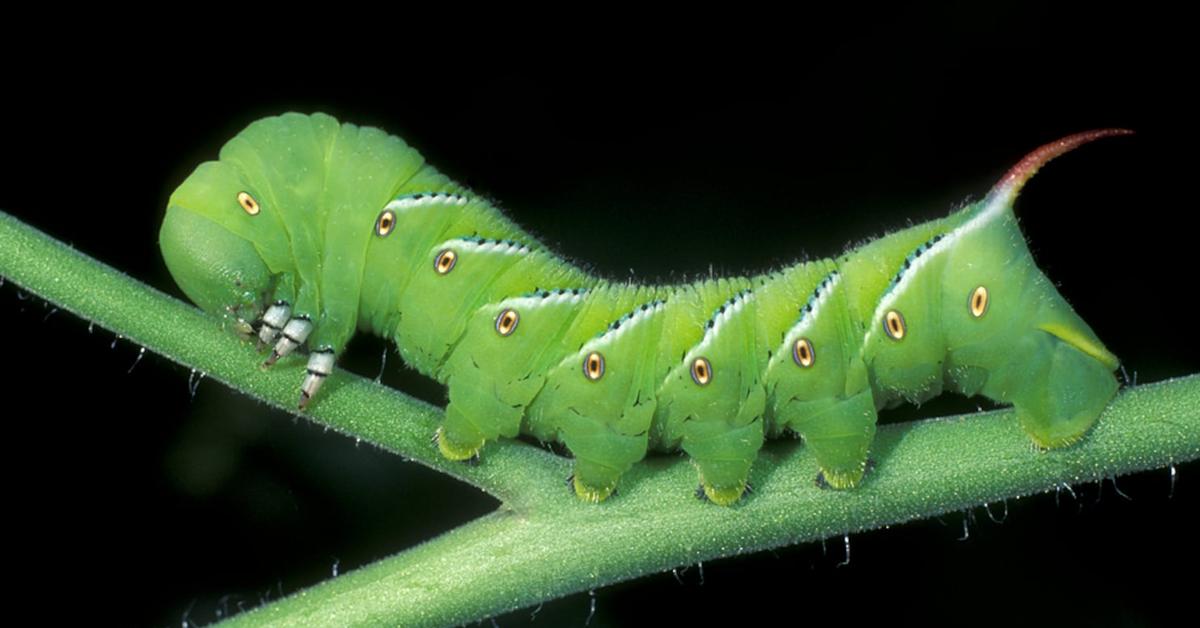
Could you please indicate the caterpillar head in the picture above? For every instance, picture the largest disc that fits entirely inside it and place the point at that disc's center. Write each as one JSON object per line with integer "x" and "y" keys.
{"x": 212, "y": 240}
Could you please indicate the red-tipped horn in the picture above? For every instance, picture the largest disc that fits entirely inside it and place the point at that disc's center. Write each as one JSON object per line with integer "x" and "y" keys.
{"x": 1011, "y": 183}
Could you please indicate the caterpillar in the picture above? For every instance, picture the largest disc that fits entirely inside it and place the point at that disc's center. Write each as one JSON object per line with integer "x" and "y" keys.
{"x": 305, "y": 230}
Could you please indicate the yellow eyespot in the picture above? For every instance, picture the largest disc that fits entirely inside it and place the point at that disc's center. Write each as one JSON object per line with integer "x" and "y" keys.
{"x": 445, "y": 261}
{"x": 893, "y": 324}
{"x": 593, "y": 366}
{"x": 385, "y": 223}
{"x": 803, "y": 353}
{"x": 248, "y": 203}
{"x": 701, "y": 372}
{"x": 979, "y": 302}
{"x": 506, "y": 323}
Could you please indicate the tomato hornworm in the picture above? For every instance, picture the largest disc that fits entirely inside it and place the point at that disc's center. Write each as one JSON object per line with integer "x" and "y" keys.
{"x": 306, "y": 229}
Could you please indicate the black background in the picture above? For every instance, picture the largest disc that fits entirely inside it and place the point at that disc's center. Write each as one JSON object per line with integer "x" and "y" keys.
{"x": 133, "y": 501}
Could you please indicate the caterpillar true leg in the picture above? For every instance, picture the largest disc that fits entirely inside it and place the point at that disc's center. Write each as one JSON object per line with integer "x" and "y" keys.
{"x": 1073, "y": 389}
{"x": 295, "y": 333}
{"x": 327, "y": 340}
{"x": 320, "y": 365}
{"x": 300, "y": 323}
{"x": 273, "y": 320}
{"x": 279, "y": 312}
{"x": 285, "y": 334}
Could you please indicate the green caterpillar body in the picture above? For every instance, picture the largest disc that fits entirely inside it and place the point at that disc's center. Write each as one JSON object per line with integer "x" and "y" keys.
{"x": 305, "y": 230}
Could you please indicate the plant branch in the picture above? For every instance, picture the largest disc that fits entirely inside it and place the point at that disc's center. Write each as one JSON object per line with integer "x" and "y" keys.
{"x": 509, "y": 560}
{"x": 181, "y": 332}
{"x": 543, "y": 543}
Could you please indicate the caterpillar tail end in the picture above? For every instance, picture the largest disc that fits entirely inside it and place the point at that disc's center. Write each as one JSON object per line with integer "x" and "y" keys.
{"x": 1060, "y": 407}
{"x": 454, "y": 451}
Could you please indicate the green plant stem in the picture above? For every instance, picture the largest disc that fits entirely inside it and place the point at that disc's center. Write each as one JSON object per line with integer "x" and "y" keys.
{"x": 542, "y": 543}
{"x": 513, "y": 559}
{"x": 181, "y": 332}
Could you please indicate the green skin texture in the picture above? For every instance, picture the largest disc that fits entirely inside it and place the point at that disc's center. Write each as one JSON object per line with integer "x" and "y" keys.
{"x": 316, "y": 243}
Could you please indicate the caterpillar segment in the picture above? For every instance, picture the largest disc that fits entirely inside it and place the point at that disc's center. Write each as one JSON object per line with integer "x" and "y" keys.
{"x": 315, "y": 229}
{"x": 598, "y": 396}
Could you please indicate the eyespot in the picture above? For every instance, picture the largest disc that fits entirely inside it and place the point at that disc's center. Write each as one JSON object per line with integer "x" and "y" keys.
{"x": 979, "y": 302}
{"x": 803, "y": 353}
{"x": 385, "y": 223}
{"x": 506, "y": 323}
{"x": 248, "y": 203}
{"x": 445, "y": 261}
{"x": 893, "y": 324}
{"x": 701, "y": 371}
{"x": 593, "y": 366}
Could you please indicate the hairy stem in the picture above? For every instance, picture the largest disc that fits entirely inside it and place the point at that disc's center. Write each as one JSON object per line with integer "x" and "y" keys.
{"x": 542, "y": 543}
{"x": 183, "y": 333}
{"x": 513, "y": 559}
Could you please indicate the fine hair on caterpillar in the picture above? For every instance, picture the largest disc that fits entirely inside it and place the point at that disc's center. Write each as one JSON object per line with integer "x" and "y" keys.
{"x": 306, "y": 230}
